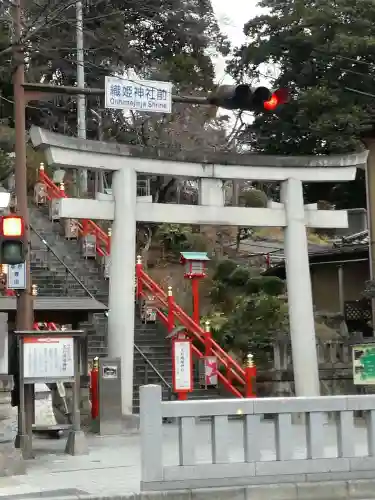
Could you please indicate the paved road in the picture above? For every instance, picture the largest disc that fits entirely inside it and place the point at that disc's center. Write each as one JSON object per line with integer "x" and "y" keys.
{"x": 113, "y": 465}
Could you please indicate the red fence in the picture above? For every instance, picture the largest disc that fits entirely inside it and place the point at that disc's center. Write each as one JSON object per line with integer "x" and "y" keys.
{"x": 46, "y": 326}
{"x": 232, "y": 376}
{"x": 103, "y": 240}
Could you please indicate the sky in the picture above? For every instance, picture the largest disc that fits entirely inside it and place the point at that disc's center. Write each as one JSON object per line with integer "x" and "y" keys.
{"x": 232, "y": 15}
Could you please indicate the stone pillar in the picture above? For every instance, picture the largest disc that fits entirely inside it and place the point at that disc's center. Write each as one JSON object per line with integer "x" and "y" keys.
{"x": 11, "y": 461}
{"x": 122, "y": 280}
{"x": 301, "y": 313}
{"x": 211, "y": 192}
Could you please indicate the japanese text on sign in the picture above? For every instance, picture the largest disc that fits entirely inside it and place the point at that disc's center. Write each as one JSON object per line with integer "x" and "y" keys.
{"x": 48, "y": 358}
{"x": 16, "y": 278}
{"x": 138, "y": 95}
{"x": 182, "y": 366}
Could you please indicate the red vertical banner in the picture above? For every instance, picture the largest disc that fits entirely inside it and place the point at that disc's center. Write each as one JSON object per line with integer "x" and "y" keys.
{"x": 182, "y": 366}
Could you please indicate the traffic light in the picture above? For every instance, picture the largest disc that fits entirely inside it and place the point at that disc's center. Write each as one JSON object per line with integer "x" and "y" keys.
{"x": 12, "y": 249}
{"x": 248, "y": 98}
{"x": 280, "y": 96}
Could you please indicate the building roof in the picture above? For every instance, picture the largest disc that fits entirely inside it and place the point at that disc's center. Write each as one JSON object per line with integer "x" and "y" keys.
{"x": 86, "y": 304}
{"x": 361, "y": 238}
{"x": 272, "y": 247}
{"x": 194, "y": 255}
{"x": 60, "y": 310}
{"x": 347, "y": 248}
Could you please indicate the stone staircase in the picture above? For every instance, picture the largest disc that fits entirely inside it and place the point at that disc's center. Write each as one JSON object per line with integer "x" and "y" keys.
{"x": 150, "y": 339}
{"x": 58, "y": 268}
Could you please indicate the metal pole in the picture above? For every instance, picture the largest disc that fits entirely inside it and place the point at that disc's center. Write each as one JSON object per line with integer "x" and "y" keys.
{"x": 81, "y": 99}
{"x": 66, "y": 90}
{"x": 24, "y": 316}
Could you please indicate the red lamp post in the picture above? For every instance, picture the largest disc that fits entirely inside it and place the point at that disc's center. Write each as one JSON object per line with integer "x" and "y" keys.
{"x": 194, "y": 269}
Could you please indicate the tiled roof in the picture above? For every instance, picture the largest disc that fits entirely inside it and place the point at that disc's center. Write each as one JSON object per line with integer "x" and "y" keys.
{"x": 69, "y": 304}
{"x": 340, "y": 249}
{"x": 361, "y": 238}
{"x": 271, "y": 247}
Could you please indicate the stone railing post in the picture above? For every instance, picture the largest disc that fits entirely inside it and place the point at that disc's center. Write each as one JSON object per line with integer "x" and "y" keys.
{"x": 151, "y": 425}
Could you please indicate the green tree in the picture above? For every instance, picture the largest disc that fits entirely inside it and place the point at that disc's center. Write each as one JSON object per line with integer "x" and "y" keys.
{"x": 163, "y": 40}
{"x": 248, "y": 311}
{"x": 318, "y": 50}
{"x": 168, "y": 39}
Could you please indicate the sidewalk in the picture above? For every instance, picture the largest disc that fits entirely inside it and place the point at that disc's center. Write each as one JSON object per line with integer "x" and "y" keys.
{"x": 110, "y": 469}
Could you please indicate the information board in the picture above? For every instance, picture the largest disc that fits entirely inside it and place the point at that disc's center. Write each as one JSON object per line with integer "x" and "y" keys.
{"x": 364, "y": 364}
{"x": 182, "y": 379}
{"x": 48, "y": 357}
{"x": 16, "y": 277}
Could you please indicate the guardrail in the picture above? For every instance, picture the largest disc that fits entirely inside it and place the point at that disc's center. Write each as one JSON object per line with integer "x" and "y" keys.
{"x": 253, "y": 451}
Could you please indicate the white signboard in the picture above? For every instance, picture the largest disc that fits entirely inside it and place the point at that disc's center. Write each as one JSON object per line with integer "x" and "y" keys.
{"x": 51, "y": 357}
{"x": 182, "y": 366}
{"x": 138, "y": 95}
{"x": 16, "y": 278}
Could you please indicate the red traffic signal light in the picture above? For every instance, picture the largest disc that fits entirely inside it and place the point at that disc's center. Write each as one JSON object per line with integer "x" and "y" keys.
{"x": 271, "y": 104}
{"x": 11, "y": 238}
{"x": 13, "y": 226}
{"x": 280, "y": 96}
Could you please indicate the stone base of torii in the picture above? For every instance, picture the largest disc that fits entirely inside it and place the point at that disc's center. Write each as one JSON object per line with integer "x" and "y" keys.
{"x": 125, "y": 210}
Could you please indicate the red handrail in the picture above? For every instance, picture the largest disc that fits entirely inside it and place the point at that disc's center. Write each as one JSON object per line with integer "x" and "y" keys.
{"x": 176, "y": 315}
{"x": 50, "y": 326}
{"x": 103, "y": 240}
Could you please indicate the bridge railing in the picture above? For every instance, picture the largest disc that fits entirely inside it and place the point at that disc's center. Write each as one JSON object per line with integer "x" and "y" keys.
{"x": 251, "y": 450}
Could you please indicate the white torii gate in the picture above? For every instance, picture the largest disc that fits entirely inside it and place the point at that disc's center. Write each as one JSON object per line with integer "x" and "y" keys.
{"x": 125, "y": 210}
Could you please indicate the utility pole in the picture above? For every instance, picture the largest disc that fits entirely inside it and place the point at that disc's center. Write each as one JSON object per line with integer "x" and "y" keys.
{"x": 24, "y": 315}
{"x": 99, "y": 175}
{"x": 81, "y": 98}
